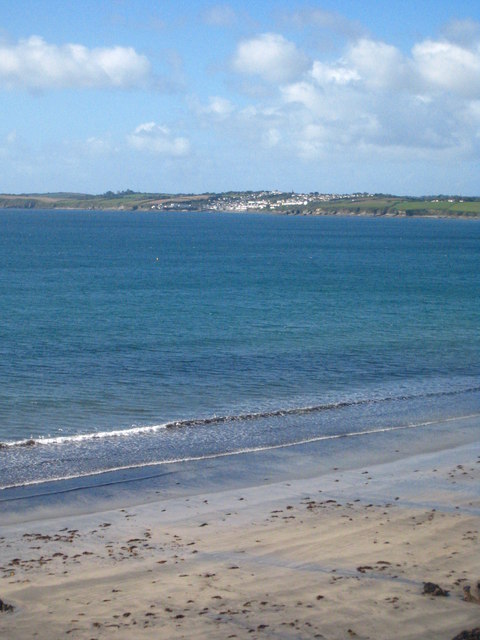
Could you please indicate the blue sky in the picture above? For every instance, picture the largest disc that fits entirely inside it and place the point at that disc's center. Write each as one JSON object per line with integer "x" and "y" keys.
{"x": 330, "y": 96}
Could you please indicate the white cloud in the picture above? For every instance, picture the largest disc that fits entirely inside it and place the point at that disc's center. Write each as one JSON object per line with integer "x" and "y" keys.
{"x": 217, "y": 110}
{"x": 312, "y": 141}
{"x": 36, "y": 64}
{"x": 450, "y": 67}
{"x": 158, "y": 139}
{"x": 333, "y": 74}
{"x": 303, "y": 93}
{"x": 434, "y": 66}
{"x": 377, "y": 64}
{"x": 376, "y": 100}
{"x": 218, "y": 107}
{"x": 367, "y": 63}
{"x": 271, "y": 57}
{"x": 372, "y": 100}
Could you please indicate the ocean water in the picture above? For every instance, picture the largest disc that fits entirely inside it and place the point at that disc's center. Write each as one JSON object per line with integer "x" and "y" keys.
{"x": 129, "y": 341}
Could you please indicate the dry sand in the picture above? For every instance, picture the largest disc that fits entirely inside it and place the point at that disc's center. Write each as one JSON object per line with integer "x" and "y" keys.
{"x": 343, "y": 555}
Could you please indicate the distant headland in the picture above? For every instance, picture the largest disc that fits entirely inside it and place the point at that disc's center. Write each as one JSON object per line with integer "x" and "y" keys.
{"x": 275, "y": 202}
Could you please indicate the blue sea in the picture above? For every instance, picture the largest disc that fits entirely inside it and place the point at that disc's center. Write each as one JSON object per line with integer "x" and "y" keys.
{"x": 133, "y": 341}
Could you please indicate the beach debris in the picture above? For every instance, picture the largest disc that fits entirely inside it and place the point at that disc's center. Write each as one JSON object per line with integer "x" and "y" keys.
{"x": 5, "y": 607}
{"x": 468, "y": 595}
{"x": 473, "y": 634}
{"x": 364, "y": 569}
{"x": 432, "y": 589}
{"x": 27, "y": 443}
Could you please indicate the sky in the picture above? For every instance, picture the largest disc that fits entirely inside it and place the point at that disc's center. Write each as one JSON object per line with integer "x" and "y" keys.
{"x": 175, "y": 96}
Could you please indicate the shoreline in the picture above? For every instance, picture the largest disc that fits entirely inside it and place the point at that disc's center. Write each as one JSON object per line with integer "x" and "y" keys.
{"x": 340, "y": 214}
{"x": 343, "y": 554}
{"x": 311, "y": 458}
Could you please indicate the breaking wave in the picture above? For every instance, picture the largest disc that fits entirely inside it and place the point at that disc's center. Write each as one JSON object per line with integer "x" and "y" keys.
{"x": 226, "y": 419}
{"x": 237, "y": 452}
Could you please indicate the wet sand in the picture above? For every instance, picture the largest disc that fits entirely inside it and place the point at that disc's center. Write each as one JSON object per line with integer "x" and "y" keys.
{"x": 341, "y": 555}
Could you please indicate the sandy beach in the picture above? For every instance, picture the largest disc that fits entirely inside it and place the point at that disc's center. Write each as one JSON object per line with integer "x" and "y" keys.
{"x": 342, "y": 555}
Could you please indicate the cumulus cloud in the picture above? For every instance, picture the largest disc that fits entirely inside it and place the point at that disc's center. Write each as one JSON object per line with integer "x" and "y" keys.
{"x": 448, "y": 66}
{"x": 377, "y": 64}
{"x": 368, "y": 64}
{"x": 371, "y": 65}
{"x": 270, "y": 56}
{"x": 325, "y": 74}
{"x": 434, "y": 66}
{"x": 36, "y": 64}
{"x": 371, "y": 99}
{"x": 158, "y": 139}
{"x": 304, "y": 93}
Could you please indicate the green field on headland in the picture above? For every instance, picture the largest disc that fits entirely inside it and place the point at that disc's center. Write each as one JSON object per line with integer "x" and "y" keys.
{"x": 255, "y": 201}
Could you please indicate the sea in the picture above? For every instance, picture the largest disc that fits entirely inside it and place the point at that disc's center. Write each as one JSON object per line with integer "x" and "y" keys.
{"x": 133, "y": 344}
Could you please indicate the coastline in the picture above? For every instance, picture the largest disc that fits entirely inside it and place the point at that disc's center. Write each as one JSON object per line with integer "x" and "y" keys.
{"x": 301, "y": 214}
{"x": 343, "y": 554}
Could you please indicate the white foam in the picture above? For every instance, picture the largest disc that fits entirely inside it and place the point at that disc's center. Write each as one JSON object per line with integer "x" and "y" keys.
{"x": 238, "y": 452}
{"x": 82, "y": 437}
{"x": 222, "y": 419}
